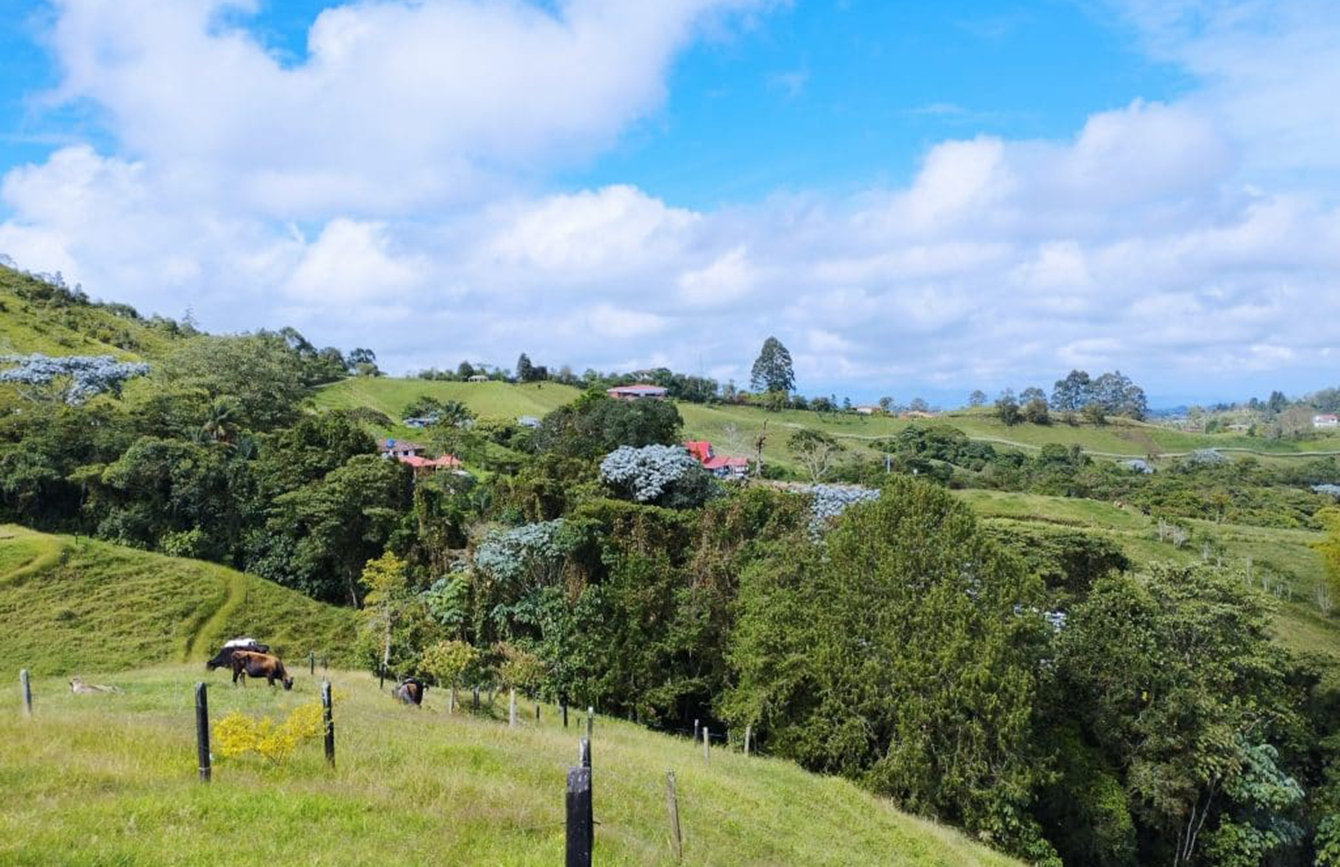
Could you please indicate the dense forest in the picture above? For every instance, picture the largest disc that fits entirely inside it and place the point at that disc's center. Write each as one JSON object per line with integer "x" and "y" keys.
{"x": 1041, "y": 690}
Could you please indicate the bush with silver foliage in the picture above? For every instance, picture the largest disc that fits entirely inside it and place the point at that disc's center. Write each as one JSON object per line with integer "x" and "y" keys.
{"x": 71, "y": 379}
{"x": 658, "y": 475}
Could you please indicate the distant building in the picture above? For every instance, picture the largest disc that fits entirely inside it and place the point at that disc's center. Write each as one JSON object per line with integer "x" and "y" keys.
{"x": 636, "y": 392}
{"x": 390, "y": 448}
{"x": 420, "y": 422}
{"x": 529, "y": 421}
{"x": 916, "y": 413}
{"x": 866, "y": 409}
{"x": 1138, "y": 466}
{"x": 1326, "y": 420}
{"x": 721, "y": 466}
{"x": 478, "y": 377}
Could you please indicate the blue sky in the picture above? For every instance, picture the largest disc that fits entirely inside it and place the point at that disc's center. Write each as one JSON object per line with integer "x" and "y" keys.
{"x": 918, "y": 199}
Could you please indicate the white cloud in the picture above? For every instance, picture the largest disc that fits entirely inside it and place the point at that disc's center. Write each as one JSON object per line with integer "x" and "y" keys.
{"x": 1147, "y": 240}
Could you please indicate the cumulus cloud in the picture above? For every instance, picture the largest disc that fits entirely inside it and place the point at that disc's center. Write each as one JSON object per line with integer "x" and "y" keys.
{"x": 376, "y": 192}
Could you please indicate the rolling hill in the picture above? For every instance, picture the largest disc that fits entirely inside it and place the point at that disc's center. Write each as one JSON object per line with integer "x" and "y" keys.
{"x": 78, "y": 605}
{"x": 33, "y": 318}
{"x": 733, "y": 428}
{"x": 110, "y": 779}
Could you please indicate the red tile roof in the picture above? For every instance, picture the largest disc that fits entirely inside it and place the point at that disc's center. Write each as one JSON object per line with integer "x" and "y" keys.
{"x": 446, "y": 461}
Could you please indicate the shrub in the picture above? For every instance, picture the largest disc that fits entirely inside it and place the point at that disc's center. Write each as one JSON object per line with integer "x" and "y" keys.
{"x": 659, "y": 475}
{"x": 238, "y": 734}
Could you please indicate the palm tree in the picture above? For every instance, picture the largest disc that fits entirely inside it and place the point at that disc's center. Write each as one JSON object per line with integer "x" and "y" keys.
{"x": 220, "y": 421}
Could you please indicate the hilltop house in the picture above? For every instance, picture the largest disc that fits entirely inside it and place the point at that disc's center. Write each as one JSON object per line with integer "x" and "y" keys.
{"x": 1326, "y": 420}
{"x": 866, "y": 409}
{"x": 636, "y": 392}
{"x": 721, "y": 466}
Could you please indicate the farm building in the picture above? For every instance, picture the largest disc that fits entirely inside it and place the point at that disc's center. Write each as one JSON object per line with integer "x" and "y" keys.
{"x": 636, "y": 392}
{"x": 721, "y": 466}
{"x": 1326, "y": 420}
{"x": 866, "y": 409}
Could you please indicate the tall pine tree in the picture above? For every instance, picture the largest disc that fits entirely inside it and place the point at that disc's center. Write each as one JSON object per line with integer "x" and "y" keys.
{"x": 772, "y": 369}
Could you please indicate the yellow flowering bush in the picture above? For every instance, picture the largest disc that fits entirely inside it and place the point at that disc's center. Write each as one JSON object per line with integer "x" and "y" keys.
{"x": 238, "y": 734}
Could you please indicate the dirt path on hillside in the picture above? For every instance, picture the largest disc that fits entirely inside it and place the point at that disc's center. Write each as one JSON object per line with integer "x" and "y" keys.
{"x": 235, "y": 586}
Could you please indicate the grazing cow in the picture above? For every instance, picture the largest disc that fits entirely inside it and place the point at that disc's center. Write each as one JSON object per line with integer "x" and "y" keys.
{"x": 410, "y": 691}
{"x": 78, "y": 687}
{"x": 248, "y": 663}
{"x": 224, "y": 658}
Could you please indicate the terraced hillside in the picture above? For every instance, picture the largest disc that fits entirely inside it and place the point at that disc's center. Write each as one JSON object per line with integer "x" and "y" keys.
{"x": 80, "y": 605}
{"x": 110, "y": 779}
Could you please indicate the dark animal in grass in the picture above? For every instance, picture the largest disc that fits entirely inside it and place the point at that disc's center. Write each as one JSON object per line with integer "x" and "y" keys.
{"x": 248, "y": 663}
{"x": 78, "y": 687}
{"x": 224, "y": 658}
{"x": 410, "y": 691}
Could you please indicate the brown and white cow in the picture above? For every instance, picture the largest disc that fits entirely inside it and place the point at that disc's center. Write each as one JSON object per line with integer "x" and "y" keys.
{"x": 248, "y": 663}
{"x": 410, "y": 691}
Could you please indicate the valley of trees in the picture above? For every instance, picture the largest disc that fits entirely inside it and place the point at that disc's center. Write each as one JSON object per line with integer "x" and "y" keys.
{"x": 1042, "y": 690}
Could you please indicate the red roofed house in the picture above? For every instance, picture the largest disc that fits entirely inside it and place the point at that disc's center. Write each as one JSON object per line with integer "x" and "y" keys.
{"x": 720, "y": 466}
{"x": 412, "y": 454}
{"x": 636, "y": 392}
{"x": 1326, "y": 420}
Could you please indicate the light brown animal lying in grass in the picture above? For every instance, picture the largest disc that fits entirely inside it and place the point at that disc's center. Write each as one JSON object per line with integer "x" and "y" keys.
{"x": 78, "y": 687}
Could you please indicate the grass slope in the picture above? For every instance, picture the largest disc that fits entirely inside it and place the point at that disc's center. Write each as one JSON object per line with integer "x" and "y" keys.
{"x": 1282, "y": 562}
{"x": 80, "y": 605}
{"x": 495, "y": 400}
{"x": 110, "y": 779}
{"x": 27, "y": 327}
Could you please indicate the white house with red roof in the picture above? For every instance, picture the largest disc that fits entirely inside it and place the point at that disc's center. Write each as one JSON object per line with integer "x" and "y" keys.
{"x": 1326, "y": 420}
{"x": 720, "y": 466}
{"x": 412, "y": 454}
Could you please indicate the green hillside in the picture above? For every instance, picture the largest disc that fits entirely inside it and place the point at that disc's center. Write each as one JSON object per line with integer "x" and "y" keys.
{"x": 36, "y": 318}
{"x": 1281, "y": 562}
{"x": 77, "y": 605}
{"x": 110, "y": 779}
{"x": 733, "y": 429}
{"x": 495, "y": 400}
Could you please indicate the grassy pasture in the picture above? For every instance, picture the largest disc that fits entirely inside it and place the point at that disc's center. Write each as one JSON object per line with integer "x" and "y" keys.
{"x": 73, "y": 606}
{"x": 1275, "y": 559}
{"x": 110, "y": 779}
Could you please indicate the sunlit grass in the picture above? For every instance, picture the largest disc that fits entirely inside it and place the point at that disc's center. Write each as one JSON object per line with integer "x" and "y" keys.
{"x": 111, "y": 779}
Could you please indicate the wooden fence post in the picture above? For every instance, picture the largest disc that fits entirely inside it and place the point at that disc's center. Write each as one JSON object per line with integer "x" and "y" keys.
{"x": 707, "y": 745}
{"x": 537, "y": 711}
{"x": 330, "y": 723}
{"x": 672, "y": 805}
{"x": 583, "y": 753}
{"x": 511, "y": 709}
{"x": 580, "y": 827}
{"x": 451, "y": 702}
{"x": 748, "y": 731}
{"x": 695, "y": 730}
{"x": 27, "y": 692}
{"x": 565, "y": 714}
{"x": 476, "y": 700}
{"x": 381, "y": 676}
{"x": 311, "y": 662}
{"x": 590, "y": 715}
{"x": 202, "y": 731}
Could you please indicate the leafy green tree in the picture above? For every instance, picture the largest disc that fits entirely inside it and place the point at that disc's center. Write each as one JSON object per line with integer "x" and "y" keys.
{"x": 772, "y": 369}
{"x": 977, "y": 398}
{"x": 257, "y": 372}
{"x": 1073, "y": 393}
{"x": 816, "y": 450}
{"x": 319, "y": 536}
{"x": 1171, "y": 673}
{"x": 1007, "y": 408}
{"x": 387, "y": 580}
{"x": 595, "y": 425}
{"x": 903, "y": 654}
{"x": 525, "y": 371}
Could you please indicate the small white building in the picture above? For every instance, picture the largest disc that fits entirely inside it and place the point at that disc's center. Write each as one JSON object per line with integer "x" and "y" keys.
{"x": 1326, "y": 420}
